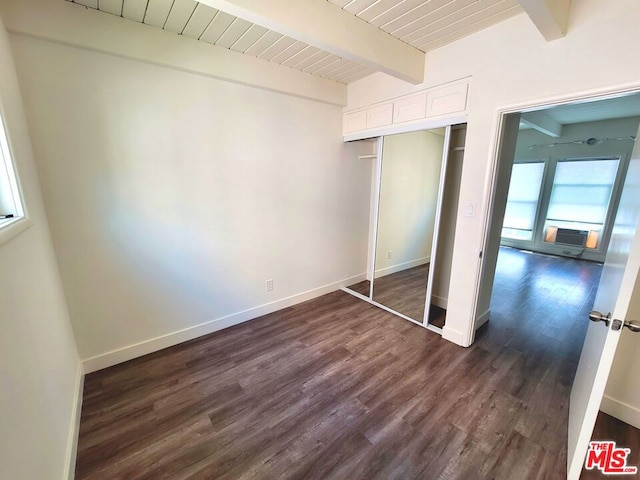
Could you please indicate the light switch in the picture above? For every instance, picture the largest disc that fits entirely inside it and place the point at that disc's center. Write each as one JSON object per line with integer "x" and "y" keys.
{"x": 470, "y": 211}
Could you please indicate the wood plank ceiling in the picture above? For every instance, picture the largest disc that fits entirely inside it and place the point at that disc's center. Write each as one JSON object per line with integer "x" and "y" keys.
{"x": 423, "y": 24}
{"x": 429, "y": 24}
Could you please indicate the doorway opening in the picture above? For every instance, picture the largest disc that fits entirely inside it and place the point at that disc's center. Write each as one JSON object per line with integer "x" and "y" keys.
{"x": 558, "y": 182}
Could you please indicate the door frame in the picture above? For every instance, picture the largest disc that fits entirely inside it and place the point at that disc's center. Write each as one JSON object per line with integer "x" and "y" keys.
{"x": 491, "y": 178}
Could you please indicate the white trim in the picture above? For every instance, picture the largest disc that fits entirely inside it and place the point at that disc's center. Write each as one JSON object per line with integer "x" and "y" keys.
{"x": 620, "y": 410}
{"x": 426, "y": 124}
{"x": 455, "y": 336}
{"x": 12, "y": 228}
{"x": 495, "y": 141}
{"x": 145, "y": 347}
{"x": 439, "y": 301}
{"x": 375, "y": 209}
{"x": 402, "y": 266}
{"x": 482, "y": 319}
{"x": 436, "y": 223}
{"x": 74, "y": 430}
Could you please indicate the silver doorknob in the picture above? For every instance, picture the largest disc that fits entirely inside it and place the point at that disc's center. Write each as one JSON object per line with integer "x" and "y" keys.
{"x": 632, "y": 325}
{"x": 596, "y": 316}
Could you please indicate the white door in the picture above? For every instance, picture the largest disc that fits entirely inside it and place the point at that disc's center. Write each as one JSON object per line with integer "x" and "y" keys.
{"x": 619, "y": 276}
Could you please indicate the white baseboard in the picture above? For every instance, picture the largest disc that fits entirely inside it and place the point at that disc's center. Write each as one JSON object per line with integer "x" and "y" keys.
{"x": 402, "y": 266}
{"x": 620, "y": 410}
{"x": 455, "y": 336}
{"x": 482, "y": 319}
{"x": 74, "y": 430}
{"x": 439, "y": 301}
{"x": 130, "y": 352}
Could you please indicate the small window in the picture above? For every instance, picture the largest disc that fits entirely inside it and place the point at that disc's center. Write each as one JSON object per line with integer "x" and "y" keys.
{"x": 11, "y": 209}
{"x": 522, "y": 200}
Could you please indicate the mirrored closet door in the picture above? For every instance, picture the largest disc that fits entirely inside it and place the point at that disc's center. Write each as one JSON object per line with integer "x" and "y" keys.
{"x": 406, "y": 214}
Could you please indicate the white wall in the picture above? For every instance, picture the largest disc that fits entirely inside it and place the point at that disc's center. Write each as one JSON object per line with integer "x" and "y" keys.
{"x": 622, "y": 395}
{"x": 173, "y": 197}
{"x": 39, "y": 368}
{"x": 408, "y": 195}
{"x": 511, "y": 65}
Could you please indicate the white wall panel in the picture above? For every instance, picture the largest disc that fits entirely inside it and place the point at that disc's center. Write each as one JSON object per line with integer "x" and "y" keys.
{"x": 40, "y": 371}
{"x": 197, "y": 190}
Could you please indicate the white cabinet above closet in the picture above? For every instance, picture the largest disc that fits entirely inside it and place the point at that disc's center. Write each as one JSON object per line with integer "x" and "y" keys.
{"x": 443, "y": 103}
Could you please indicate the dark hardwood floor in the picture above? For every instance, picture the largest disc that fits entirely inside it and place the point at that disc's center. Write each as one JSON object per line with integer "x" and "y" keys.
{"x": 610, "y": 428}
{"x": 335, "y": 388}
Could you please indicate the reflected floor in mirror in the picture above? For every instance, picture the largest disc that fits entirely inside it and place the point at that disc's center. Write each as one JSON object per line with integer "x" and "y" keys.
{"x": 404, "y": 292}
{"x": 363, "y": 288}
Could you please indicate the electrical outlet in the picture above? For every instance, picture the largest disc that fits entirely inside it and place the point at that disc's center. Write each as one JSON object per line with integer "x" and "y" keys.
{"x": 389, "y": 255}
{"x": 268, "y": 285}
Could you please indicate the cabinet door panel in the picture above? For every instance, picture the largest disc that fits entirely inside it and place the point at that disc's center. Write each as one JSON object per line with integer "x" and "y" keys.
{"x": 412, "y": 108}
{"x": 380, "y": 116}
{"x": 355, "y": 121}
{"x": 447, "y": 100}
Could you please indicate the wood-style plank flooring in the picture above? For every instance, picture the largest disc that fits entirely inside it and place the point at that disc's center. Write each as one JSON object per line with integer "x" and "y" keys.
{"x": 626, "y": 436}
{"x": 335, "y": 388}
{"x": 405, "y": 292}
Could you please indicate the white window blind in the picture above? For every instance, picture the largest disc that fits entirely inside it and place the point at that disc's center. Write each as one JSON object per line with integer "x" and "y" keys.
{"x": 582, "y": 191}
{"x": 522, "y": 200}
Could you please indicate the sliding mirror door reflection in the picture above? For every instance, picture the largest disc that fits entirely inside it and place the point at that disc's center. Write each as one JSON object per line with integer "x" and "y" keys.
{"x": 407, "y": 206}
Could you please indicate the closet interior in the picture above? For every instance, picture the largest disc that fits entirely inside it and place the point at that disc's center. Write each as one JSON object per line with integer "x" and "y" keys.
{"x": 414, "y": 204}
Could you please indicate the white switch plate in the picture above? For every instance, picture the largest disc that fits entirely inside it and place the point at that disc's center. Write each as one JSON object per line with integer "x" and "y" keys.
{"x": 470, "y": 211}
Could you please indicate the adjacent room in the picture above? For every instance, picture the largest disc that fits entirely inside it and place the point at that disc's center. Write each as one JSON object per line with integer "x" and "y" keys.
{"x": 318, "y": 239}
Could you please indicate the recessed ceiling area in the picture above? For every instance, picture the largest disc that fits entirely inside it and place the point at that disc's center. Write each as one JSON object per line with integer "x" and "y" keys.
{"x": 607, "y": 109}
{"x": 422, "y": 24}
{"x": 618, "y": 107}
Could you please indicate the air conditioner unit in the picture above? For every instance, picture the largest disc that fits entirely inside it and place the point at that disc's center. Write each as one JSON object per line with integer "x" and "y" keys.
{"x": 568, "y": 236}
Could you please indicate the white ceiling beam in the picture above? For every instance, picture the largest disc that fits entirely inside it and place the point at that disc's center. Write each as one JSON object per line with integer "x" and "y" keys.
{"x": 71, "y": 24}
{"x": 549, "y": 16}
{"x": 325, "y": 26}
{"x": 543, "y": 123}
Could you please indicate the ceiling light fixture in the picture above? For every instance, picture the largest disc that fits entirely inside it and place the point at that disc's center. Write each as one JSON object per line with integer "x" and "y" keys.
{"x": 589, "y": 141}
